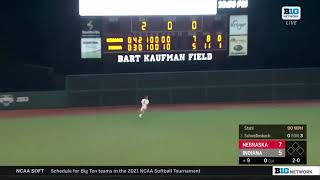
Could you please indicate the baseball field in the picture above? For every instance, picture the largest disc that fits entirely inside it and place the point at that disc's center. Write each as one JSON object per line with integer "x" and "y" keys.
{"x": 190, "y": 134}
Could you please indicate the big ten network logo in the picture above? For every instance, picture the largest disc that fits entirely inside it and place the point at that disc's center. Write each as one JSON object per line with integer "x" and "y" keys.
{"x": 281, "y": 170}
{"x": 291, "y": 15}
{"x": 296, "y": 170}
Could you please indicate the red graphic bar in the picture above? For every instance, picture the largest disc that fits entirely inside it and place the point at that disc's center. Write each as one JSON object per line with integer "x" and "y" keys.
{"x": 262, "y": 144}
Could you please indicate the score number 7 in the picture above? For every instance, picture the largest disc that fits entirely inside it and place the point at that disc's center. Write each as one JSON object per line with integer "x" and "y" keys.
{"x": 281, "y": 144}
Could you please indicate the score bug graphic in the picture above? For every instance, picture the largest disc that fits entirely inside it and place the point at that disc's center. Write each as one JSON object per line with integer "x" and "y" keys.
{"x": 272, "y": 144}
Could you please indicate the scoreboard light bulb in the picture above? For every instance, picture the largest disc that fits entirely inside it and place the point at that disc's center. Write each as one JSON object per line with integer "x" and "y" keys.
{"x": 146, "y": 7}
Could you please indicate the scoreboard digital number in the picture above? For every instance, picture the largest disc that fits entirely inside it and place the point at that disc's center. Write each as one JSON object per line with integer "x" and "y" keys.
{"x": 272, "y": 144}
{"x": 164, "y": 34}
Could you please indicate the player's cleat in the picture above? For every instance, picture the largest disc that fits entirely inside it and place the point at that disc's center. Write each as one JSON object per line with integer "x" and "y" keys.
{"x": 140, "y": 115}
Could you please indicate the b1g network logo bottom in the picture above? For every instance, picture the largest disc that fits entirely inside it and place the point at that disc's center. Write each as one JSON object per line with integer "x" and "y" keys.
{"x": 291, "y": 15}
{"x": 296, "y": 170}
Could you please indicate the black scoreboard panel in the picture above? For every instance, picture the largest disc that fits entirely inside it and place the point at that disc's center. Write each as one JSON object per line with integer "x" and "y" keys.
{"x": 183, "y": 39}
{"x": 164, "y": 34}
{"x": 162, "y": 43}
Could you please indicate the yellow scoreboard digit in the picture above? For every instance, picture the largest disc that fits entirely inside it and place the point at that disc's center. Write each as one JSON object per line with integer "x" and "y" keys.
{"x": 167, "y": 34}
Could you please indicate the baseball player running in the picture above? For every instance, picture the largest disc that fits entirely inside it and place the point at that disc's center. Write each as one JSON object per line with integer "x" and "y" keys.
{"x": 144, "y": 106}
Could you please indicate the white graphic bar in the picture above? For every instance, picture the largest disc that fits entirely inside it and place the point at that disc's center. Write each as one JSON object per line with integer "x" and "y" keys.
{"x": 146, "y": 7}
{"x": 296, "y": 170}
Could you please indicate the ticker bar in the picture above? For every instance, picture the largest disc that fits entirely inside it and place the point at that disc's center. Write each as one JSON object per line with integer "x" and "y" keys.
{"x": 132, "y": 170}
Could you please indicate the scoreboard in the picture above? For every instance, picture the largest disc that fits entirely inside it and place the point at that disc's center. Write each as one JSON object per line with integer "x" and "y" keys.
{"x": 152, "y": 31}
{"x": 272, "y": 144}
{"x": 165, "y": 34}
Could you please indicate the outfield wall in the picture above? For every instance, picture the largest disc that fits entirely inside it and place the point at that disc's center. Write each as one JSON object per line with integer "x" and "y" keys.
{"x": 171, "y": 88}
{"x": 193, "y": 87}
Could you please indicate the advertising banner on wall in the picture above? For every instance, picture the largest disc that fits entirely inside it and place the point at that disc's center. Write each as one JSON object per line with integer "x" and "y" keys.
{"x": 238, "y": 45}
{"x": 7, "y": 100}
{"x": 239, "y": 25}
{"x": 30, "y": 100}
{"x": 238, "y": 42}
{"x": 90, "y": 48}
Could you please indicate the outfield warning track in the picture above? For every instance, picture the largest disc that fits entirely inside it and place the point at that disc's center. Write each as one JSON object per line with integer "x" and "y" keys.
{"x": 29, "y": 113}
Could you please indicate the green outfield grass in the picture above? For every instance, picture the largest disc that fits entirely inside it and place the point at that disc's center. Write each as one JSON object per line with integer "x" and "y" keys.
{"x": 208, "y": 137}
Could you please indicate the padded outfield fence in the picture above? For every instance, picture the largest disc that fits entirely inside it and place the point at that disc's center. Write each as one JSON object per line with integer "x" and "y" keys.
{"x": 193, "y": 87}
{"x": 171, "y": 88}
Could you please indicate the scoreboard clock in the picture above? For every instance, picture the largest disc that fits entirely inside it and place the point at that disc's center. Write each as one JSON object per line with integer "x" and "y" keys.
{"x": 147, "y": 31}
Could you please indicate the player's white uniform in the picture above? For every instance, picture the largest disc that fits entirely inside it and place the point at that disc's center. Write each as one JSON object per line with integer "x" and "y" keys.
{"x": 144, "y": 107}
{"x": 144, "y": 103}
